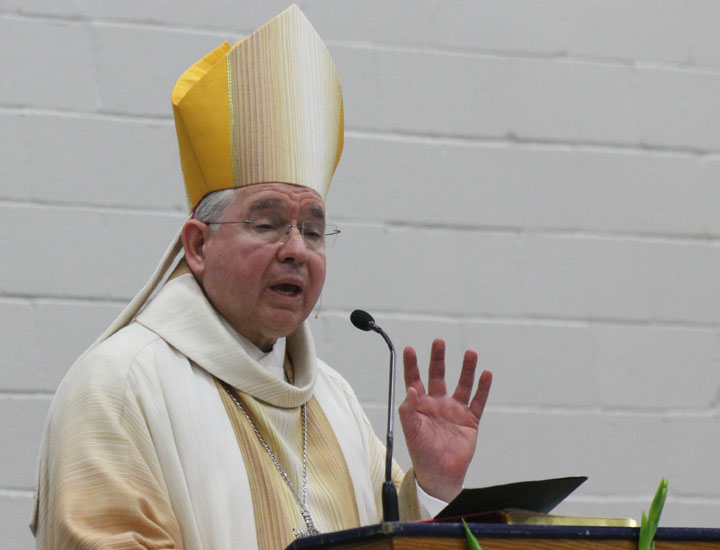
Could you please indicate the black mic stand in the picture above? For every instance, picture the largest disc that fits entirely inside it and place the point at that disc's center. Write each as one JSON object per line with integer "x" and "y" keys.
{"x": 364, "y": 321}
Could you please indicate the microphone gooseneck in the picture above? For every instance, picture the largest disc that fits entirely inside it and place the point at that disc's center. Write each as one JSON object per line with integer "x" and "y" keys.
{"x": 364, "y": 321}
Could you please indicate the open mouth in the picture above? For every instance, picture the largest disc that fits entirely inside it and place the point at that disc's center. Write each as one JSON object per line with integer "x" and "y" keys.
{"x": 287, "y": 289}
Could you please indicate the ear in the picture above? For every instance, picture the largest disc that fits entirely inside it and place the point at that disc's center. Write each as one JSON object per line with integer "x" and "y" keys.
{"x": 194, "y": 237}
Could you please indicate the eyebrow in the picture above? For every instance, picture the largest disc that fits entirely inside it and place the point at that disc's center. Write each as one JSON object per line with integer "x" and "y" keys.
{"x": 274, "y": 204}
{"x": 316, "y": 212}
{"x": 264, "y": 204}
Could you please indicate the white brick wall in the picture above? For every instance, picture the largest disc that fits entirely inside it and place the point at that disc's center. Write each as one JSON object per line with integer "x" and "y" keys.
{"x": 537, "y": 180}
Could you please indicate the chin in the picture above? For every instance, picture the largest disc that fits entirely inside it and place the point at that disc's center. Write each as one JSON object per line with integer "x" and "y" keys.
{"x": 285, "y": 326}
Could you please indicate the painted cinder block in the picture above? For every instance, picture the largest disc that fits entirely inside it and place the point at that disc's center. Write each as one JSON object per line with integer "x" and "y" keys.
{"x": 219, "y": 14}
{"x": 508, "y": 185}
{"x": 22, "y": 422}
{"x": 622, "y": 452}
{"x": 482, "y": 96}
{"x": 42, "y": 8}
{"x": 90, "y": 161}
{"x": 608, "y": 366}
{"x": 532, "y": 99}
{"x": 55, "y": 71}
{"x": 588, "y": 365}
{"x": 105, "y": 254}
{"x": 452, "y": 271}
{"x": 623, "y": 279}
{"x": 138, "y": 67}
{"x": 668, "y": 32}
{"x": 642, "y": 30}
{"x": 14, "y": 521}
{"x": 677, "y": 108}
{"x": 42, "y": 338}
{"x": 452, "y": 94}
{"x": 559, "y": 101}
{"x": 705, "y": 46}
{"x": 442, "y": 271}
{"x": 518, "y": 26}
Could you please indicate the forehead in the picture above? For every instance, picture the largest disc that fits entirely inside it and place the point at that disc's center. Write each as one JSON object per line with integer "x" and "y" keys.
{"x": 279, "y": 196}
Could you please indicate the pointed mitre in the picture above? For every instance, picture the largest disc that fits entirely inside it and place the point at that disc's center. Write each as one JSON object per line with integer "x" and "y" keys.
{"x": 269, "y": 109}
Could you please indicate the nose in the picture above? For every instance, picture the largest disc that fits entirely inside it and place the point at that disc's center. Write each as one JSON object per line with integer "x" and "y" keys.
{"x": 293, "y": 247}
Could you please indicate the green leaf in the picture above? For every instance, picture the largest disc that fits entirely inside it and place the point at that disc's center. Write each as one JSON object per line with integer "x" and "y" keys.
{"x": 471, "y": 540}
{"x": 649, "y": 523}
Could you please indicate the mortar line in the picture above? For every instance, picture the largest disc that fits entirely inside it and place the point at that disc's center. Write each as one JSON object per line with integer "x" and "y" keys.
{"x": 506, "y": 140}
{"x": 579, "y": 410}
{"x": 540, "y": 232}
{"x": 414, "y": 316}
{"x": 60, "y": 112}
{"x": 556, "y": 55}
{"x": 512, "y": 139}
{"x": 528, "y": 320}
{"x": 21, "y": 395}
{"x": 93, "y": 208}
{"x": 16, "y": 493}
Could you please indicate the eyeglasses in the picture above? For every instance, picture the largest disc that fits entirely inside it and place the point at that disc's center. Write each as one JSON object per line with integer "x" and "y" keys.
{"x": 313, "y": 231}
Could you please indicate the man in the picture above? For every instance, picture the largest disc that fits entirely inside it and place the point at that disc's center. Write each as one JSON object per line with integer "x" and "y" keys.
{"x": 203, "y": 418}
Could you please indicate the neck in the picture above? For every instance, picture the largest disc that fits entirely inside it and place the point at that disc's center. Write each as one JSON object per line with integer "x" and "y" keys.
{"x": 263, "y": 344}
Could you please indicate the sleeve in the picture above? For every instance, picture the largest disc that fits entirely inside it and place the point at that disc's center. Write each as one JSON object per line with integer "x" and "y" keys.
{"x": 429, "y": 505}
{"x": 408, "y": 501}
{"x": 100, "y": 484}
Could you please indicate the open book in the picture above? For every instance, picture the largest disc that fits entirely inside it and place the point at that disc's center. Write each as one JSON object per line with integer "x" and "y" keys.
{"x": 526, "y": 502}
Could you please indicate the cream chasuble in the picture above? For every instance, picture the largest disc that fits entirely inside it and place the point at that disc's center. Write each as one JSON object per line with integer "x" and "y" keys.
{"x": 141, "y": 449}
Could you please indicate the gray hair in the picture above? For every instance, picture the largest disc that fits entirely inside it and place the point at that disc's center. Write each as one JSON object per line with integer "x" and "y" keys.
{"x": 212, "y": 206}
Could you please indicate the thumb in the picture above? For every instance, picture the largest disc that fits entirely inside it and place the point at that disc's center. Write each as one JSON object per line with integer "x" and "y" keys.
{"x": 408, "y": 413}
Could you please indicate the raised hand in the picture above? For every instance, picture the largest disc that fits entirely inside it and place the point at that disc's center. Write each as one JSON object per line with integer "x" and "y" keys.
{"x": 441, "y": 430}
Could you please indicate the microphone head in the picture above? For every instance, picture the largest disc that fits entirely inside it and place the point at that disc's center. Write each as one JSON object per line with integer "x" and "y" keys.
{"x": 362, "y": 319}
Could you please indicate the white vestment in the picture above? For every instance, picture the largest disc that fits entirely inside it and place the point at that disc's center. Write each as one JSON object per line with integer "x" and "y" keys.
{"x": 138, "y": 441}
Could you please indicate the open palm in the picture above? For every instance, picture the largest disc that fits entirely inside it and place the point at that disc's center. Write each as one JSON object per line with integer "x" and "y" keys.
{"x": 440, "y": 429}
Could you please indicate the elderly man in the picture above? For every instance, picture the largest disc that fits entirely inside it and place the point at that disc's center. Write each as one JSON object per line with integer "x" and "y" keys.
{"x": 203, "y": 419}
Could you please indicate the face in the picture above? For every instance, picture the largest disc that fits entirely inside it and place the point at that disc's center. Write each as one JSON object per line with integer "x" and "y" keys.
{"x": 264, "y": 290}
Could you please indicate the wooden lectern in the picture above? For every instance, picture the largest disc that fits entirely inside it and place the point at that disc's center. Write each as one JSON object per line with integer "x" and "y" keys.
{"x": 451, "y": 536}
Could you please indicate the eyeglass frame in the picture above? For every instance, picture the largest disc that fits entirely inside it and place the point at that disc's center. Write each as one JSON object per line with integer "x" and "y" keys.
{"x": 289, "y": 227}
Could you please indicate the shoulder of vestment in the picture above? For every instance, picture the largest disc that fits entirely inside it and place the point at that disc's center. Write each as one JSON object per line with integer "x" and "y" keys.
{"x": 132, "y": 351}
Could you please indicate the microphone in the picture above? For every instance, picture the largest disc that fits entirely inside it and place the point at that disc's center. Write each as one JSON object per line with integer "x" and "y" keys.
{"x": 364, "y": 321}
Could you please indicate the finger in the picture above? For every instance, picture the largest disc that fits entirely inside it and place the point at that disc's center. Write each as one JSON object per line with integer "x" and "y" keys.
{"x": 477, "y": 405}
{"x": 411, "y": 371}
{"x": 436, "y": 372}
{"x": 467, "y": 377}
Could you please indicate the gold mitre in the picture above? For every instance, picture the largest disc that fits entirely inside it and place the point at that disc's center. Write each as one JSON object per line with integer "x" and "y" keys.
{"x": 269, "y": 109}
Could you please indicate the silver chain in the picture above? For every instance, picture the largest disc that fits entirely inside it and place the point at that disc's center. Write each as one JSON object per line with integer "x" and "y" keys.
{"x": 304, "y": 511}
